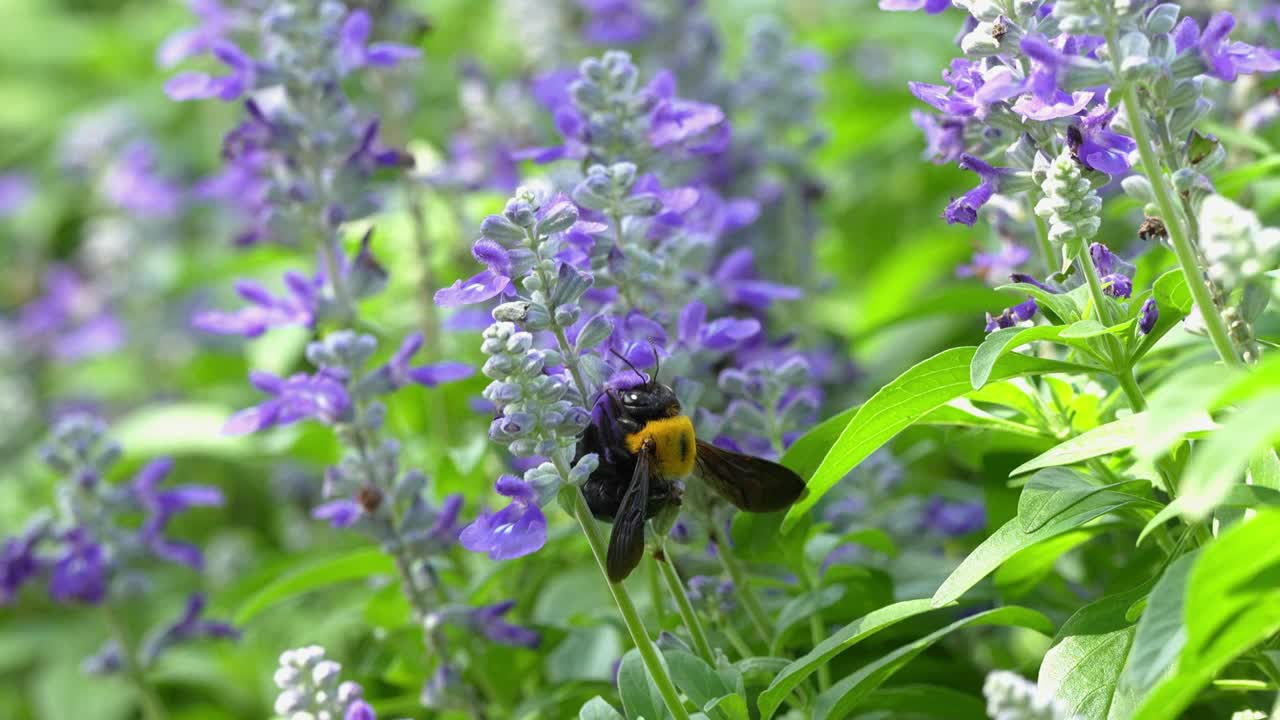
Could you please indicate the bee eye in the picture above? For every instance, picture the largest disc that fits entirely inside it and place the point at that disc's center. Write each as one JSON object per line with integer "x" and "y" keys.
{"x": 632, "y": 397}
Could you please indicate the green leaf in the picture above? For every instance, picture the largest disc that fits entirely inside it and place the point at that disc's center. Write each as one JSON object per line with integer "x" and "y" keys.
{"x": 1089, "y": 328}
{"x": 640, "y": 697}
{"x": 586, "y": 653}
{"x": 695, "y": 677}
{"x": 846, "y": 694}
{"x": 1160, "y": 633}
{"x": 1053, "y": 491}
{"x": 1057, "y": 305}
{"x": 729, "y": 707}
{"x": 180, "y": 429}
{"x": 800, "y": 609}
{"x": 1222, "y": 459}
{"x": 1171, "y": 291}
{"x": 806, "y": 453}
{"x": 598, "y": 709}
{"x": 915, "y": 393}
{"x": 1002, "y": 341}
{"x": 1083, "y": 667}
{"x": 313, "y": 576}
{"x": 1175, "y": 405}
{"x": 1238, "y": 496}
{"x": 1173, "y": 300}
{"x": 1011, "y": 538}
{"x": 1112, "y": 437}
{"x": 962, "y": 413}
{"x": 1023, "y": 573}
{"x": 848, "y": 636}
{"x": 1232, "y": 605}
{"x": 925, "y": 701}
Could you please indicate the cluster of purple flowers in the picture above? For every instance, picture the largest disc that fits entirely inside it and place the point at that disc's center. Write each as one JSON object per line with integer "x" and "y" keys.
{"x": 300, "y": 162}
{"x": 300, "y": 166}
{"x": 87, "y": 553}
{"x": 1031, "y": 108}
{"x": 622, "y": 267}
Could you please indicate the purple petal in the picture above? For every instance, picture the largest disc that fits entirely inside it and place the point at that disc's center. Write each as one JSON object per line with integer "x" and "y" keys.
{"x": 432, "y": 375}
{"x": 727, "y": 333}
{"x": 191, "y": 86}
{"x": 390, "y": 54}
{"x": 478, "y": 288}
{"x": 340, "y": 514}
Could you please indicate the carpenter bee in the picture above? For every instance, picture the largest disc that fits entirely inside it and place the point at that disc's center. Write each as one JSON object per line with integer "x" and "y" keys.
{"x": 646, "y": 445}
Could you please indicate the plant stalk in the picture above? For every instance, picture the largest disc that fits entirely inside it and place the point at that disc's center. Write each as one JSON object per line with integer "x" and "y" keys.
{"x": 742, "y": 585}
{"x": 1183, "y": 244}
{"x": 152, "y": 707}
{"x": 630, "y": 617}
{"x": 687, "y": 613}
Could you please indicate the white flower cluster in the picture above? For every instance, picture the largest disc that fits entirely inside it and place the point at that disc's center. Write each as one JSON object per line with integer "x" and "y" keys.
{"x": 1238, "y": 248}
{"x": 309, "y": 688}
{"x": 1070, "y": 204}
{"x": 1012, "y": 697}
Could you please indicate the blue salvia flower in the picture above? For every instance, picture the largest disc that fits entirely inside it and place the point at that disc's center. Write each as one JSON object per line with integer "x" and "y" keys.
{"x": 89, "y": 549}
{"x": 952, "y": 518}
{"x": 303, "y": 156}
{"x": 366, "y": 486}
{"x": 608, "y": 117}
{"x": 1148, "y": 316}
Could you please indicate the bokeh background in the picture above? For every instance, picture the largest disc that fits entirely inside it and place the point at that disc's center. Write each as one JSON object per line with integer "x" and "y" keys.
{"x": 82, "y": 108}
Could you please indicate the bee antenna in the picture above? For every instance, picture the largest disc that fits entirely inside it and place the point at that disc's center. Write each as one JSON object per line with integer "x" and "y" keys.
{"x": 624, "y": 359}
{"x": 657, "y": 362}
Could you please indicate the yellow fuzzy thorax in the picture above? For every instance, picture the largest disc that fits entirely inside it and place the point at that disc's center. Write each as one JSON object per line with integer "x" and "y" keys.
{"x": 673, "y": 445}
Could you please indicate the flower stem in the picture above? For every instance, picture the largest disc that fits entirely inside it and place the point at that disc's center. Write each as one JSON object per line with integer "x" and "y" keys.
{"x": 630, "y": 617}
{"x": 1183, "y": 245}
{"x": 152, "y": 707}
{"x": 1046, "y": 248}
{"x": 691, "y": 621}
{"x": 742, "y": 584}
{"x": 816, "y": 631}
{"x": 1119, "y": 365}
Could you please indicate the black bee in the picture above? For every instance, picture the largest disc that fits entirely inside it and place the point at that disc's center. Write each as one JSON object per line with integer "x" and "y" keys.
{"x": 645, "y": 444}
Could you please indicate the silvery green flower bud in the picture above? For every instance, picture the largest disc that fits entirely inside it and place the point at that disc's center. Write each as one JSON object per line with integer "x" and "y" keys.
{"x": 595, "y": 332}
{"x": 1081, "y": 17}
{"x": 567, "y": 315}
{"x": 559, "y": 218}
{"x": 503, "y": 231}
{"x": 1011, "y": 697}
{"x": 520, "y": 213}
{"x": 1139, "y": 188}
{"x": 1022, "y": 153}
{"x": 1238, "y": 248}
{"x": 586, "y": 465}
{"x": 1070, "y": 205}
{"x": 1162, "y": 18}
{"x": 982, "y": 10}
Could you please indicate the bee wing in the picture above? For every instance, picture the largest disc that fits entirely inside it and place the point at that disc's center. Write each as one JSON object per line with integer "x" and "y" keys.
{"x": 751, "y": 483}
{"x": 626, "y": 540}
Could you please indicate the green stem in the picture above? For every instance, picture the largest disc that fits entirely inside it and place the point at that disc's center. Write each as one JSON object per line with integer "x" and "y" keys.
{"x": 599, "y": 550}
{"x": 742, "y": 585}
{"x": 1183, "y": 245}
{"x": 1042, "y": 241}
{"x": 735, "y": 639}
{"x": 429, "y": 319}
{"x": 1120, "y": 367}
{"x": 687, "y": 614}
{"x": 816, "y": 632}
{"x": 630, "y": 617}
{"x": 152, "y": 707}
